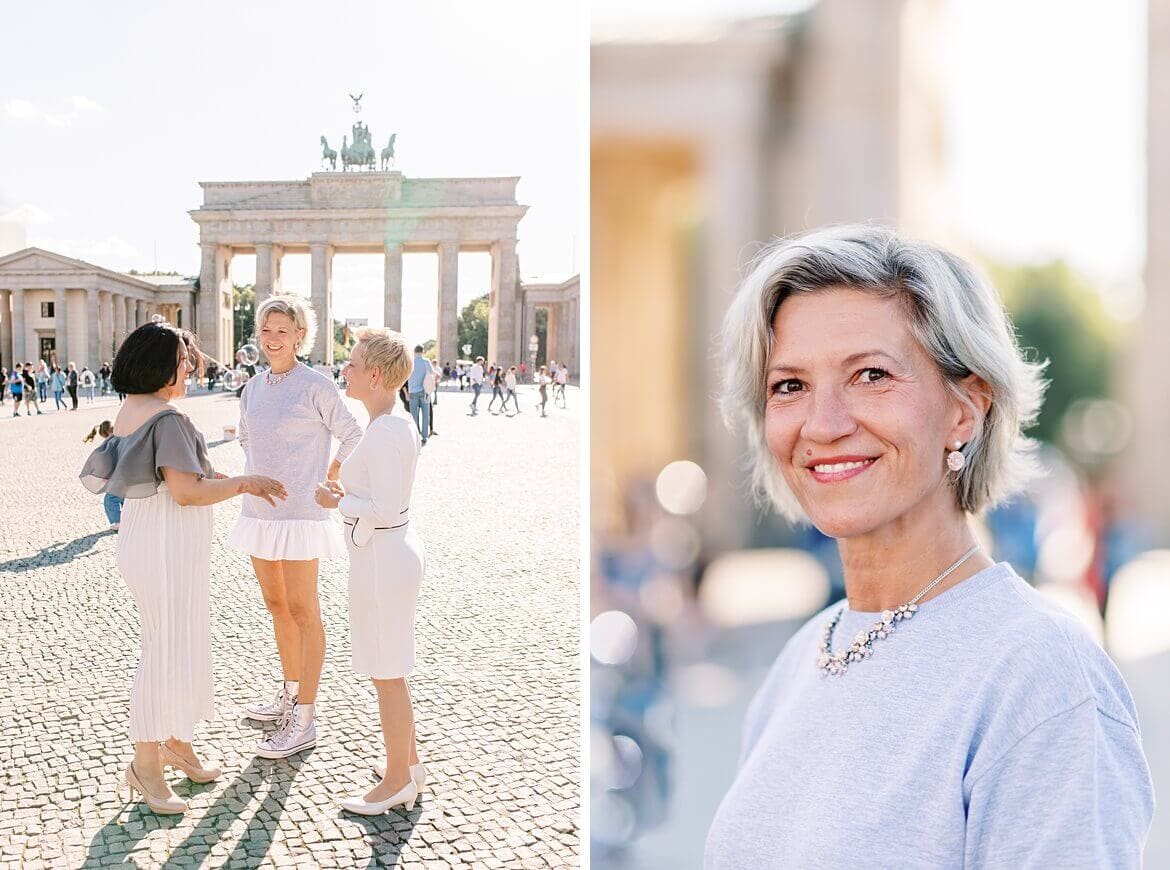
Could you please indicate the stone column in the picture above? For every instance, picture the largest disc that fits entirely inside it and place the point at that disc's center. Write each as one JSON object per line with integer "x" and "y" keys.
{"x": 92, "y": 334}
{"x": 106, "y": 328}
{"x": 502, "y": 339}
{"x": 128, "y": 316}
{"x": 448, "y": 325}
{"x": 322, "y": 269}
{"x": 61, "y": 324}
{"x": 140, "y": 316}
{"x": 214, "y": 316}
{"x": 119, "y": 321}
{"x": 392, "y": 276}
{"x": 267, "y": 271}
{"x": 6, "y": 328}
{"x": 18, "y": 348}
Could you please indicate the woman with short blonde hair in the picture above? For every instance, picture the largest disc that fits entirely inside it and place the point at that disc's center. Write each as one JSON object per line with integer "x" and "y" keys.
{"x": 386, "y": 558}
{"x": 884, "y": 398}
{"x": 289, "y": 415}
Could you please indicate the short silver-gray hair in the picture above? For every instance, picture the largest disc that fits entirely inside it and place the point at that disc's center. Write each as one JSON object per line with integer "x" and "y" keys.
{"x": 955, "y": 315}
{"x": 298, "y": 310}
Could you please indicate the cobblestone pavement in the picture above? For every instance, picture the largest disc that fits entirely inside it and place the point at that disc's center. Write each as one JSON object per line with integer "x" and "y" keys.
{"x": 496, "y": 685}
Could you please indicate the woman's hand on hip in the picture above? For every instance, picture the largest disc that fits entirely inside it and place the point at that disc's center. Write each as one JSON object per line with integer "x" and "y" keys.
{"x": 262, "y": 487}
{"x": 329, "y": 494}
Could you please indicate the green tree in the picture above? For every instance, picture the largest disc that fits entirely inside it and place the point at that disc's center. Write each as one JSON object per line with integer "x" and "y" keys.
{"x": 429, "y": 349}
{"x": 341, "y": 347}
{"x": 473, "y": 328}
{"x": 1058, "y": 317}
{"x": 542, "y": 336}
{"x": 244, "y": 314}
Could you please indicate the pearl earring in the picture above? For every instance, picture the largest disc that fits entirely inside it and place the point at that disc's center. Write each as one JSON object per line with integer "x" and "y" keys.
{"x": 955, "y": 459}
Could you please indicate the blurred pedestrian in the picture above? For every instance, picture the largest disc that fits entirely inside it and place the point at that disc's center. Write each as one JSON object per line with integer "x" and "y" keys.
{"x": 57, "y": 382}
{"x": 16, "y": 388}
{"x": 510, "y": 384}
{"x": 420, "y": 406}
{"x": 884, "y": 398}
{"x": 71, "y": 380}
{"x": 496, "y": 379}
{"x": 542, "y": 382}
{"x": 30, "y": 388}
{"x": 104, "y": 376}
{"x": 88, "y": 381}
{"x": 562, "y": 380}
{"x": 476, "y": 377}
{"x": 431, "y": 388}
{"x": 42, "y": 379}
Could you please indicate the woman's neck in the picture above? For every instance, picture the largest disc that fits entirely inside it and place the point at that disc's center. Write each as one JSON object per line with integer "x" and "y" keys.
{"x": 279, "y": 367}
{"x": 887, "y": 567}
{"x": 378, "y": 404}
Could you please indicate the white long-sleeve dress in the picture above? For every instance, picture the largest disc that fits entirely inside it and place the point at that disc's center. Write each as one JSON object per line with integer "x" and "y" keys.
{"x": 386, "y": 558}
{"x": 287, "y": 430}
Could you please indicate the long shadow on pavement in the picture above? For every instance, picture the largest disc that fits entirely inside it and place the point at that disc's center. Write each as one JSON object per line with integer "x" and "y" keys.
{"x": 117, "y": 839}
{"x": 388, "y": 833}
{"x": 58, "y": 554}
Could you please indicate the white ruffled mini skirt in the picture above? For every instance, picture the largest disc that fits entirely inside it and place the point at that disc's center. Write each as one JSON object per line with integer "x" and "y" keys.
{"x": 288, "y": 539}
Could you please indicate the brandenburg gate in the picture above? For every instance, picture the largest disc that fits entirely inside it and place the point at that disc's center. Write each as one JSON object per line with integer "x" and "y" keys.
{"x": 360, "y": 212}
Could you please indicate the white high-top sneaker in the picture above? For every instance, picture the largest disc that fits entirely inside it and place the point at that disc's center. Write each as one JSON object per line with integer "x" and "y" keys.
{"x": 297, "y": 731}
{"x": 274, "y": 710}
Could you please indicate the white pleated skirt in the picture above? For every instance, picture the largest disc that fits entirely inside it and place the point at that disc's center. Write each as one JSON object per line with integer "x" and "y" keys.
{"x": 164, "y": 554}
{"x": 384, "y": 580}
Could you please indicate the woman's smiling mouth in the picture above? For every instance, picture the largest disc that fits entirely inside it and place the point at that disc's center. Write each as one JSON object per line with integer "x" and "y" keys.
{"x": 838, "y": 468}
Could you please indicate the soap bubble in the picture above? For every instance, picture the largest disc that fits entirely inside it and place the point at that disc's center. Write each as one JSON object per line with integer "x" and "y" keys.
{"x": 251, "y": 354}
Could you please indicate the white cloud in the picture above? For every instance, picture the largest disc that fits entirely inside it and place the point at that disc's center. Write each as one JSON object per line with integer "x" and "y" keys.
{"x": 27, "y": 214}
{"x": 21, "y": 109}
{"x": 60, "y": 120}
{"x": 86, "y": 104}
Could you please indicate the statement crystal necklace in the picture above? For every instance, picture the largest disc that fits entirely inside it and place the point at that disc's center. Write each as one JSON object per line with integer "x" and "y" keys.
{"x": 836, "y": 664}
{"x": 272, "y": 380}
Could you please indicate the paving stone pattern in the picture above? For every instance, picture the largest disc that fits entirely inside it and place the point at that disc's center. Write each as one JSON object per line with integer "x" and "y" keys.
{"x": 496, "y": 684}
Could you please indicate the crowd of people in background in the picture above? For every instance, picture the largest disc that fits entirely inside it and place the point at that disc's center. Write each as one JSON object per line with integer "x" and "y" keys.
{"x": 30, "y": 385}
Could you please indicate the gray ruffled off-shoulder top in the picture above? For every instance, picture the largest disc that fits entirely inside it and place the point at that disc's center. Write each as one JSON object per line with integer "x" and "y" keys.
{"x": 131, "y": 465}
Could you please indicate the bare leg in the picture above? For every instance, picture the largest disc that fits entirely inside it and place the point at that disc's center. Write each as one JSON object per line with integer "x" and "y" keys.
{"x": 148, "y": 768}
{"x": 398, "y": 734}
{"x": 300, "y": 583}
{"x": 288, "y": 635}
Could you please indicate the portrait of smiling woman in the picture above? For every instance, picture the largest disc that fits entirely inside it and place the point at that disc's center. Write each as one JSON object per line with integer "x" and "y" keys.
{"x": 945, "y": 714}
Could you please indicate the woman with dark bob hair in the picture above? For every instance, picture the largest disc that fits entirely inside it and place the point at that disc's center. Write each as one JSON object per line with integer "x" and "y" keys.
{"x": 946, "y": 714}
{"x": 157, "y": 460}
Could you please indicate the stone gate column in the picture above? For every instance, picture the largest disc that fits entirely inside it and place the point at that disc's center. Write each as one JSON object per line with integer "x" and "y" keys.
{"x": 119, "y": 321}
{"x": 267, "y": 271}
{"x": 448, "y": 325}
{"x": 140, "y": 312}
{"x": 392, "y": 276}
{"x": 92, "y": 334}
{"x": 61, "y": 325}
{"x": 128, "y": 304}
{"x": 106, "y": 341}
{"x": 502, "y": 327}
{"x": 322, "y": 267}
{"x": 215, "y": 315}
{"x": 18, "y": 349}
{"x": 6, "y": 328}
{"x": 527, "y": 325}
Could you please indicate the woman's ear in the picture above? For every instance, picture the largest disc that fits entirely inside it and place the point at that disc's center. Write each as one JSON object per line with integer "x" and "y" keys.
{"x": 971, "y": 413}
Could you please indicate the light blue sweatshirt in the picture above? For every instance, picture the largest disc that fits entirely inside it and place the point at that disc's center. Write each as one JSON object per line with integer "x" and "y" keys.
{"x": 987, "y": 731}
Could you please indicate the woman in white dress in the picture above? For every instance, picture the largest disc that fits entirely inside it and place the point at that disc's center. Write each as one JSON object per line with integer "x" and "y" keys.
{"x": 289, "y": 416}
{"x": 157, "y": 460}
{"x": 386, "y": 558}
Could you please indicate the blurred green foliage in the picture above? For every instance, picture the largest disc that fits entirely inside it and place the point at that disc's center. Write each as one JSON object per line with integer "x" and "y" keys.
{"x": 1059, "y": 317}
